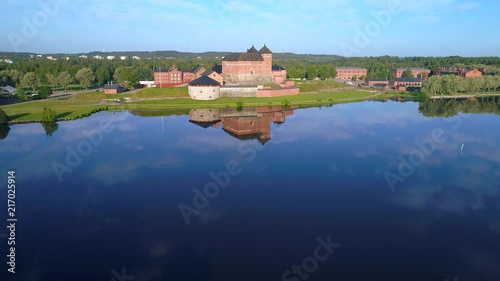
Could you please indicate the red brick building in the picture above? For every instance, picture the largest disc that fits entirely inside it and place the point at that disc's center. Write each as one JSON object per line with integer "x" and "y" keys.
{"x": 347, "y": 73}
{"x": 407, "y": 82}
{"x": 113, "y": 89}
{"x": 174, "y": 77}
{"x": 462, "y": 72}
{"x": 252, "y": 68}
{"x": 377, "y": 83}
{"x": 417, "y": 72}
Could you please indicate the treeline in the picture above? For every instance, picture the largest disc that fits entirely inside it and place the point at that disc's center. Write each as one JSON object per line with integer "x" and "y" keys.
{"x": 452, "y": 84}
{"x": 449, "y": 108}
{"x": 61, "y": 72}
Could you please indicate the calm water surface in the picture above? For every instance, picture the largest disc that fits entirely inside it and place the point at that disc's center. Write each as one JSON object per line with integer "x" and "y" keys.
{"x": 279, "y": 185}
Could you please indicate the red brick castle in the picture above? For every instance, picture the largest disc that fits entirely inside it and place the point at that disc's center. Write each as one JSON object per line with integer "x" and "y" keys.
{"x": 252, "y": 68}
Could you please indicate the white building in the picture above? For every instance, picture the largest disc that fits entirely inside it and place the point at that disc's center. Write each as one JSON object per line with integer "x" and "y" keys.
{"x": 123, "y": 57}
{"x": 110, "y": 57}
{"x": 98, "y": 57}
{"x": 83, "y": 57}
{"x": 136, "y": 58}
{"x": 7, "y": 61}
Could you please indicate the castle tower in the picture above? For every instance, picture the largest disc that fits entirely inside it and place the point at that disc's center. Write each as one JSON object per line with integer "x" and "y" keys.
{"x": 268, "y": 59}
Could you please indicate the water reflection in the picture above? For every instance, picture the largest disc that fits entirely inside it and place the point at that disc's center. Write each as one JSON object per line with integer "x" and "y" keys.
{"x": 50, "y": 128}
{"x": 243, "y": 124}
{"x": 4, "y": 131}
{"x": 322, "y": 174}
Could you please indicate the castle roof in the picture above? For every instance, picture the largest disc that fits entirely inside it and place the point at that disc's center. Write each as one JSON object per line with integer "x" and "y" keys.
{"x": 244, "y": 57}
{"x": 204, "y": 80}
{"x": 217, "y": 68}
{"x": 252, "y": 50}
{"x": 265, "y": 50}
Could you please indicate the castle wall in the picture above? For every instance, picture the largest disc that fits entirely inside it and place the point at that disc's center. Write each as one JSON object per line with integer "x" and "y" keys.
{"x": 249, "y": 80}
{"x": 238, "y": 92}
{"x": 204, "y": 92}
{"x": 267, "y": 93}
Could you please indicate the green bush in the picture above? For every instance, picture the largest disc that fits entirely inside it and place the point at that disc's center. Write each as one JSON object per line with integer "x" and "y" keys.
{"x": 239, "y": 106}
{"x": 20, "y": 93}
{"x": 49, "y": 115}
{"x": 44, "y": 92}
{"x": 285, "y": 104}
{"x": 4, "y": 119}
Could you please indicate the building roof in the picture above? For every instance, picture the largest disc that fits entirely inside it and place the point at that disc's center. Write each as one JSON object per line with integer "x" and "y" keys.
{"x": 218, "y": 69}
{"x": 411, "y": 68}
{"x": 377, "y": 79}
{"x": 196, "y": 69}
{"x": 265, "y": 50}
{"x": 351, "y": 67}
{"x": 244, "y": 57}
{"x": 380, "y": 85}
{"x": 409, "y": 79}
{"x": 278, "y": 68}
{"x": 204, "y": 80}
{"x": 112, "y": 86}
{"x": 9, "y": 89}
{"x": 252, "y": 50}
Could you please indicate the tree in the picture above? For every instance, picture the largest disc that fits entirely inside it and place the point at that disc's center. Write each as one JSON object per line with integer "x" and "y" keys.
{"x": 13, "y": 75}
{"x": 408, "y": 73}
{"x": 49, "y": 115}
{"x": 312, "y": 72}
{"x": 103, "y": 75}
{"x": 51, "y": 79}
{"x": 20, "y": 93}
{"x": 31, "y": 80}
{"x": 5, "y": 79}
{"x": 128, "y": 77}
{"x": 50, "y": 128}
{"x": 354, "y": 78}
{"x": 44, "y": 92}
{"x": 4, "y": 118}
{"x": 85, "y": 77}
{"x": 64, "y": 80}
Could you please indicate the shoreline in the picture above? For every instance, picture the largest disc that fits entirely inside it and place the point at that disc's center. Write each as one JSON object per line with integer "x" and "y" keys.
{"x": 154, "y": 105}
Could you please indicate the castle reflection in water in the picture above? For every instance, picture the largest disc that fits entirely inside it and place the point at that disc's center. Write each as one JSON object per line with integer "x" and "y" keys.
{"x": 243, "y": 124}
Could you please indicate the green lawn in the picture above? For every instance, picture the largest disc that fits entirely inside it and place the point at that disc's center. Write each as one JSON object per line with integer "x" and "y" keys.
{"x": 174, "y": 98}
{"x": 304, "y": 99}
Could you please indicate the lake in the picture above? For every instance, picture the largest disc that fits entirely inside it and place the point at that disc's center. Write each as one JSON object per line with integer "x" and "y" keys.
{"x": 359, "y": 191}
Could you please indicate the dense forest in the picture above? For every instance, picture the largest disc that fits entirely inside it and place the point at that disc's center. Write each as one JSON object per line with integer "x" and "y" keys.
{"x": 31, "y": 71}
{"x": 452, "y": 84}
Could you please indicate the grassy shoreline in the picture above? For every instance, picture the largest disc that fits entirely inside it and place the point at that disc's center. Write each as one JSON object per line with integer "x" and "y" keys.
{"x": 320, "y": 93}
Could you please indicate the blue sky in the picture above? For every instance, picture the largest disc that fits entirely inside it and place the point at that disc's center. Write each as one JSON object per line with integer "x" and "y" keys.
{"x": 342, "y": 27}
